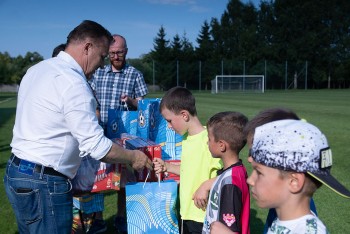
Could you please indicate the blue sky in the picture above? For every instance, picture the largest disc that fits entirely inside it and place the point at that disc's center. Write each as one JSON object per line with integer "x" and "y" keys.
{"x": 40, "y": 25}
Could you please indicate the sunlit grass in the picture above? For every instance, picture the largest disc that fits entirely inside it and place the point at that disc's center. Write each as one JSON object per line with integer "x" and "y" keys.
{"x": 327, "y": 109}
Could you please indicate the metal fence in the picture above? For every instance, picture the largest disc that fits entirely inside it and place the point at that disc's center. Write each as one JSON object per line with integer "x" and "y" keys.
{"x": 198, "y": 75}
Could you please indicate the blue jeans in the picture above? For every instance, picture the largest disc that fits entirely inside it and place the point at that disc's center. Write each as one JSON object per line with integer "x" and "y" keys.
{"x": 42, "y": 203}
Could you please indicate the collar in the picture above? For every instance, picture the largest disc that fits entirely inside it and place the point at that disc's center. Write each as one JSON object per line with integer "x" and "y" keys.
{"x": 222, "y": 170}
{"x": 108, "y": 68}
{"x": 71, "y": 61}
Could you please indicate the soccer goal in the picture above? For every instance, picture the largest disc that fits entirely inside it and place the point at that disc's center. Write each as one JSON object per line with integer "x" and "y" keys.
{"x": 241, "y": 83}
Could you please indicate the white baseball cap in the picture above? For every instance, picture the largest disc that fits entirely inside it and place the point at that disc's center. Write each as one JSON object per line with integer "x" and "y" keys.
{"x": 295, "y": 145}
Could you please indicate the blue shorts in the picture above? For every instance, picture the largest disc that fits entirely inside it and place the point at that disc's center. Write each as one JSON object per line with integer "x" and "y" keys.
{"x": 90, "y": 203}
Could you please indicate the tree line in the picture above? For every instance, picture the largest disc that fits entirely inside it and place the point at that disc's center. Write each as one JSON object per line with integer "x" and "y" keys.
{"x": 281, "y": 39}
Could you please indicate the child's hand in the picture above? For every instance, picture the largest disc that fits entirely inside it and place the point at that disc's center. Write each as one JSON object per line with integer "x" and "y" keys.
{"x": 159, "y": 166}
{"x": 200, "y": 197}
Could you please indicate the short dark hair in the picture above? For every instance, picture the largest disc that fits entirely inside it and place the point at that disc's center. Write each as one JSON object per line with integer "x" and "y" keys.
{"x": 177, "y": 99}
{"x": 58, "y": 49}
{"x": 229, "y": 126}
{"x": 267, "y": 116}
{"x": 88, "y": 29}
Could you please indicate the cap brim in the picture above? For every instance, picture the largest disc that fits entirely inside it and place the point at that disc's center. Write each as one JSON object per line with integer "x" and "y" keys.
{"x": 332, "y": 183}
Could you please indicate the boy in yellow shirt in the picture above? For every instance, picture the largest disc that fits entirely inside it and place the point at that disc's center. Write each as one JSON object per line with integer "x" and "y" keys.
{"x": 197, "y": 165}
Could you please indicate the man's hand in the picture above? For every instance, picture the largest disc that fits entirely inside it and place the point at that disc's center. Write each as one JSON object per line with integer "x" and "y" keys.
{"x": 137, "y": 159}
{"x": 130, "y": 102}
{"x": 140, "y": 160}
{"x": 124, "y": 98}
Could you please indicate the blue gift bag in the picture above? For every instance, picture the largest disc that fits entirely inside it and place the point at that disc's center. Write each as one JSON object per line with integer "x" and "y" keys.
{"x": 152, "y": 125}
{"x": 149, "y": 116}
{"x": 169, "y": 140}
{"x": 120, "y": 121}
{"x": 151, "y": 207}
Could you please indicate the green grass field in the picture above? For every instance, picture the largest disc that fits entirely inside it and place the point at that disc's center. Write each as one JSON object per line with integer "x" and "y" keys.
{"x": 327, "y": 109}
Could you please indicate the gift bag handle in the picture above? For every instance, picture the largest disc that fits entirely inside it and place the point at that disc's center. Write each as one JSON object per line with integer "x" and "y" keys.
{"x": 144, "y": 183}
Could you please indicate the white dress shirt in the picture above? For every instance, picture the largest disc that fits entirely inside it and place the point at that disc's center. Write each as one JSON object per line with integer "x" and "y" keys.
{"x": 56, "y": 123}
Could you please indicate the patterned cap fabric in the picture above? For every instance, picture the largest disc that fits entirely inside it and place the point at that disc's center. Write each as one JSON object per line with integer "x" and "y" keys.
{"x": 295, "y": 145}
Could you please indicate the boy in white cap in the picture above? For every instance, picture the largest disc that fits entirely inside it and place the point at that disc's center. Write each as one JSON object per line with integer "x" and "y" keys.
{"x": 291, "y": 159}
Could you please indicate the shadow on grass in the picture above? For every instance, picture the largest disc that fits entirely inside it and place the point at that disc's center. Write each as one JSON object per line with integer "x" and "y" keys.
{"x": 5, "y": 147}
{"x": 256, "y": 224}
{"x": 6, "y": 96}
{"x": 6, "y": 114}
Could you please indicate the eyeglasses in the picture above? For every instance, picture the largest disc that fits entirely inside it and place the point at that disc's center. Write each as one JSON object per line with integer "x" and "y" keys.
{"x": 119, "y": 53}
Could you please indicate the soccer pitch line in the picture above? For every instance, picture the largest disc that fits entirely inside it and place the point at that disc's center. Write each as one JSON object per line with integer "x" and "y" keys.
{"x": 6, "y": 100}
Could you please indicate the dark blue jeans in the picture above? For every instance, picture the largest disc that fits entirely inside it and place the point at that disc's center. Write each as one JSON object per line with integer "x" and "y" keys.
{"x": 42, "y": 203}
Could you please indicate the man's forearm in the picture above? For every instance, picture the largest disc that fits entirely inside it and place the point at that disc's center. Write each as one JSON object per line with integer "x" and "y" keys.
{"x": 118, "y": 154}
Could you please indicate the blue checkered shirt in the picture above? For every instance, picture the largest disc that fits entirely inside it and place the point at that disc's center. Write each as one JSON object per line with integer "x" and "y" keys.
{"x": 109, "y": 86}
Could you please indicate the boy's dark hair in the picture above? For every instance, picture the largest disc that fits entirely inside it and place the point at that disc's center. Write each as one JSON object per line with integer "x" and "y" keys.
{"x": 177, "y": 99}
{"x": 58, "y": 49}
{"x": 267, "y": 116}
{"x": 88, "y": 29}
{"x": 229, "y": 126}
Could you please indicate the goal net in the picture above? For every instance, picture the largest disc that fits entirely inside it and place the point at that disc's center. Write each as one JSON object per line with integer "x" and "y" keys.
{"x": 241, "y": 83}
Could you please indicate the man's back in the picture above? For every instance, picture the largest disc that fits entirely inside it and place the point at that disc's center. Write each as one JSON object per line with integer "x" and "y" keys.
{"x": 52, "y": 103}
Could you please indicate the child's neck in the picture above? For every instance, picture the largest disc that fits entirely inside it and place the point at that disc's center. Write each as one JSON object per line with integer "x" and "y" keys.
{"x": 195, "y": 126}
{"x": 294, "y": 209}
{"x": 229, "y": 159}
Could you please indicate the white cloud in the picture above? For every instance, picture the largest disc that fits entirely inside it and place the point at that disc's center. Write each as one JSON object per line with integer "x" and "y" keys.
{"x": 193, "y": 5}
{"x": 171, "y": 2}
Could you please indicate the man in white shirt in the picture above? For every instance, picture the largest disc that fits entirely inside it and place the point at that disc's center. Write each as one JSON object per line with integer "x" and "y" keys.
{"x": 55, "y": 127}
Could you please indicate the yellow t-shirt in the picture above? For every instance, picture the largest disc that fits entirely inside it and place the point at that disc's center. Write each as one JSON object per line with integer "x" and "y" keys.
{"x": 197, "y": 166}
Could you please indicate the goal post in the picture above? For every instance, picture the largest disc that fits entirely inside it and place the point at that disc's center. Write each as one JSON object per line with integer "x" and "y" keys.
{"x": 240, "y": 83}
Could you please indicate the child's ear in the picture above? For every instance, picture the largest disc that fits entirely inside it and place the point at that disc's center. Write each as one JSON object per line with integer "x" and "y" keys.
{"x": 222, "y": 145}
{"x": 297, "y": 181}
{"x": 185, "y": 115}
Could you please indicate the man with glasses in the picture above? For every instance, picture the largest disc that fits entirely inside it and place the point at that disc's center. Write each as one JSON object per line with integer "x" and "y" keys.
{"x": 117, "y": 85}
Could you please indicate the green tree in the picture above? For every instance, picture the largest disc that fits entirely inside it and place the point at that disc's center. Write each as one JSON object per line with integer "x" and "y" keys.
{"x": 205, "y": 53}
{"x": 12, "y": 70}
{"x": 161, "y": 56}
{"x": 188, "y": 71}
{"x": 5, "y": 68}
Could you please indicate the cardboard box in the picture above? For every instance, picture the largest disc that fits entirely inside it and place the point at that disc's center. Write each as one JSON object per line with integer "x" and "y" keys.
{"x": 107, "y": 178}
{"x": 171, "y": 176}
{"x": 151, "y": 149}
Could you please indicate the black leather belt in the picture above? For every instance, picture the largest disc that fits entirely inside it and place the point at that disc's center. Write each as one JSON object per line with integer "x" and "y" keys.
{"x": 47, "y": 170}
